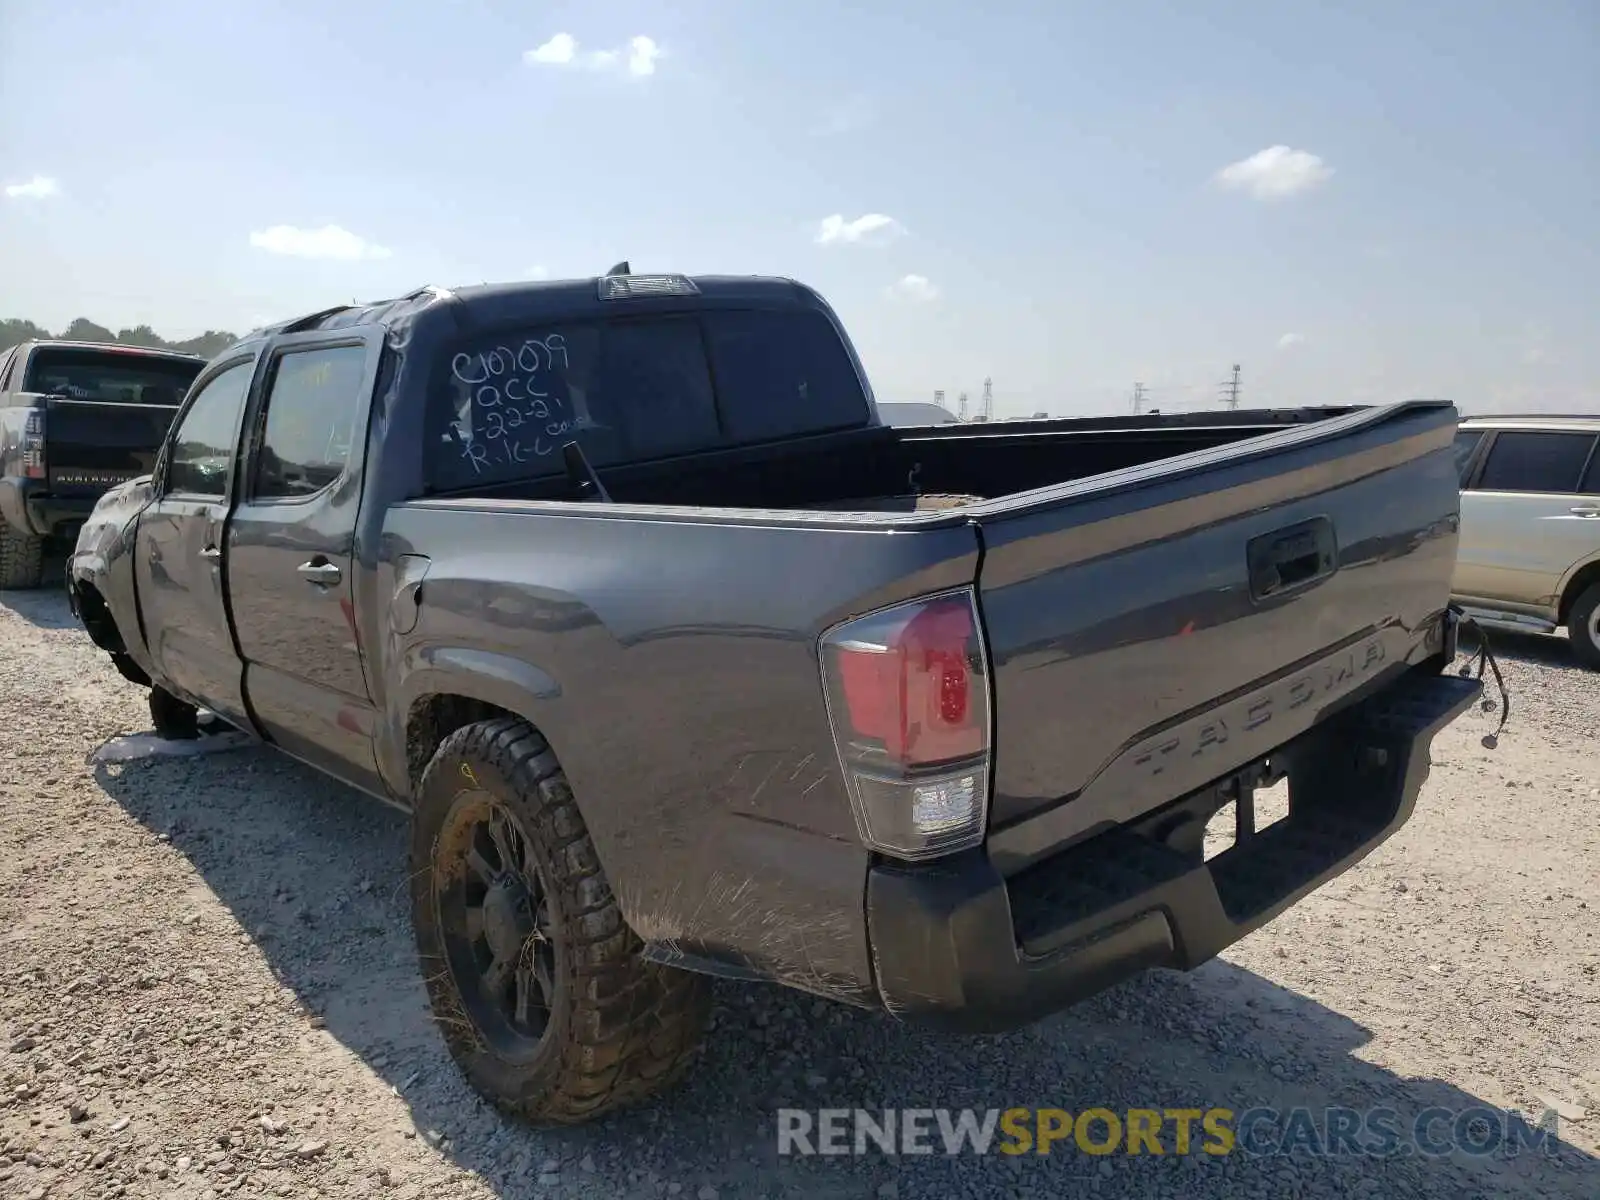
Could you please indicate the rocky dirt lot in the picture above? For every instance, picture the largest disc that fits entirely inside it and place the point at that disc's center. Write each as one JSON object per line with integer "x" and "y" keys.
{"x": 207, "y": 988}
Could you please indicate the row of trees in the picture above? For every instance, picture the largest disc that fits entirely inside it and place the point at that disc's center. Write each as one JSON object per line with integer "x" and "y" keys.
{"x": 14, "y": 331}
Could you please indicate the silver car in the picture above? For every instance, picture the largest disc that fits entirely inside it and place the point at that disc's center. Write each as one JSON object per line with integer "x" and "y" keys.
{"x": 1529, "y": 555}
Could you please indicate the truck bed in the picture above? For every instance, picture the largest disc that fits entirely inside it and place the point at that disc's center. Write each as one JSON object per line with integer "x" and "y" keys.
{"x": 1152, "y": 627}
{"x": 922, "y": 468}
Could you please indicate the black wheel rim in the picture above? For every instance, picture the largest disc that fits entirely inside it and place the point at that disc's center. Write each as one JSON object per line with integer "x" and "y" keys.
{"x": 495, "y": 919}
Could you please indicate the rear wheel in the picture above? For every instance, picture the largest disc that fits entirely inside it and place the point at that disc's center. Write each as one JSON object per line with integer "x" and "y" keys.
{"x": 173, "y": 719}
{"x": 538, "y": 985}
{"x": 21, "y": 558}
{"x": 1583, "y": 627}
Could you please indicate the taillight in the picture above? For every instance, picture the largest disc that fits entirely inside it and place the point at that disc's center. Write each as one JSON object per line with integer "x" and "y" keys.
{"x": 908, "y": 698}
{"x": 33, "y": 445}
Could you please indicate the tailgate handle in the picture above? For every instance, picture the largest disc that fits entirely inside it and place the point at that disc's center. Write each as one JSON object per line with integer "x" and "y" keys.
{"x": 1288, "y": 560}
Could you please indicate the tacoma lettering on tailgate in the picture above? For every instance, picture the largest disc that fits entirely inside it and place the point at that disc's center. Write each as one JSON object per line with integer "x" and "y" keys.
{"x": 1329, "y": 679}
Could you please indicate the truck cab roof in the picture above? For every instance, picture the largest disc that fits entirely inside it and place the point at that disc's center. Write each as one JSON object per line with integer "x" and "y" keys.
{"x": 600, "y": 297}
{"x": 636, "y": 369}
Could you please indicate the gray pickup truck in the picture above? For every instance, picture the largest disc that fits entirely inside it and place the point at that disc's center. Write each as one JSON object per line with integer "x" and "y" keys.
{"x": 685, "y": 664}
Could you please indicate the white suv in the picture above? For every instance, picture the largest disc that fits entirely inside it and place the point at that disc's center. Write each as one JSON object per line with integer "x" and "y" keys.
{"x": 1529, "y": 555}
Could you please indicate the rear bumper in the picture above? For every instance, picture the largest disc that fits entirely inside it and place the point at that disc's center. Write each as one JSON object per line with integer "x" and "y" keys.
{"x": 958, "y": 944}
{"x": 27, "y": 508}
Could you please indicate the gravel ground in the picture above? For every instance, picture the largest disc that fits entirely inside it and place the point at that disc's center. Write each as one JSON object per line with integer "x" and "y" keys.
{"x": 208, "y": 987}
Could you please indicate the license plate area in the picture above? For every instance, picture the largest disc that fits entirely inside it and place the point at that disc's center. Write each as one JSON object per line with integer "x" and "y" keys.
{"x": 1254, "y": 804}
{"x": 1225, "y": 815}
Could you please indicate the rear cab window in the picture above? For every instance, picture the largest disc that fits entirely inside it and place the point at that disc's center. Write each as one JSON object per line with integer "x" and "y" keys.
{"x": 631, "y": 390}
{"x": 1531, "y": 461}
{"x": 108, "y": 375}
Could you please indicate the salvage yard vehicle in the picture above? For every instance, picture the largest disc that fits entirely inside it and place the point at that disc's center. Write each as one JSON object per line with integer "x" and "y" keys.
{"x": 685, "y": 664}
{"x": 76, "y": 418}
{"x": 1529, "y": 557}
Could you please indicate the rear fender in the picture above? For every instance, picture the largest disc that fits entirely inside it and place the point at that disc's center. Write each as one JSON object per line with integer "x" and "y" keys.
{"x": 505, "y": 683}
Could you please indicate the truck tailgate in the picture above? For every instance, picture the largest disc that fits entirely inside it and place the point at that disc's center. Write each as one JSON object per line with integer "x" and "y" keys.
{"x": 1154, "y": 629}
{"x": 91, "y": 445}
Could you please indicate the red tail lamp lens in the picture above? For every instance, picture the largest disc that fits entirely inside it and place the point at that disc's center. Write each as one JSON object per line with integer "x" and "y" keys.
{"x": 914, "y": 685}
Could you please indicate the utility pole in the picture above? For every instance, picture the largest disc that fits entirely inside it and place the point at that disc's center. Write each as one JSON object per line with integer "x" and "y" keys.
{"x": 1138, "y": 398}
{"x": 1230, "y": 389}
{"x": 938, "y": 397}
{"x": 961, "y": 407}
{"x": 988, "y": 399}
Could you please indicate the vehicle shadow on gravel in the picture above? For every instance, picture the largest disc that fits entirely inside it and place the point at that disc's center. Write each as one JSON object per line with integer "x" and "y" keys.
{"x": 314, "y": 875}
{"x": 43, "y": 607}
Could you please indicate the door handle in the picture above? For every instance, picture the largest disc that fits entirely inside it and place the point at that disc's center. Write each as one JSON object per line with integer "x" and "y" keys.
{"x": 211, "y": 553}
{"x": 322, "y": 574}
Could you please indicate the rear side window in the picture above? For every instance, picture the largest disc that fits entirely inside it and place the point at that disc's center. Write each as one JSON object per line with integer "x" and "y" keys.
{"x": 1466, "y": 443}
{"x": 312, "y": 403}
{"x": 782, "y": 374}
{"x": 1535, "y": 462}
{"x": 108, "y": 375}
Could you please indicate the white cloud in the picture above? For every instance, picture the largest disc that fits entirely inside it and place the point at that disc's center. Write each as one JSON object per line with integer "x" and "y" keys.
{"x": 558, "y": 51}
{"x": 40, "y": 187}
{"x": 642, "y": 55}
{"x": 1275, "y": 173}
{"x": 871, "y": 228}
{"x": 1290, "y": 339}
{"x": 536, "y": 273}
{"x": 328, "y": 242}
{"x": 917, "y": 288}
{"x": 638, "y": 57}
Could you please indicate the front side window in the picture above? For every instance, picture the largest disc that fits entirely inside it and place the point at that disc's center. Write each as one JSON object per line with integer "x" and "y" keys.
{"x": 203, "y": 443}
{"x": 1535, "y": 462}
{"x": 312, "y": 402}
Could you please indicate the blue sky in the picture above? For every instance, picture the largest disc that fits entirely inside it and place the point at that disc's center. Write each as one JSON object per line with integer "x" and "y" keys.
{"x": 1359, "y": 202}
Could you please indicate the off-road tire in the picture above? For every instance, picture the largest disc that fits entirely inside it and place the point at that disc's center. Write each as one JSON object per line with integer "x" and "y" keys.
{"x": 21, "y": 559}
{"x": 1581, "y": 627}
{"x": 620, "y": 1028}
{"x": 173, "y": 719}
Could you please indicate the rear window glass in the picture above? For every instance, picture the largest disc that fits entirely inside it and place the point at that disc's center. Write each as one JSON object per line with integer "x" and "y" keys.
{"x": 109, "y": 376}
{"x": 779, "y": 374}
{"x": 635, "y": 390}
